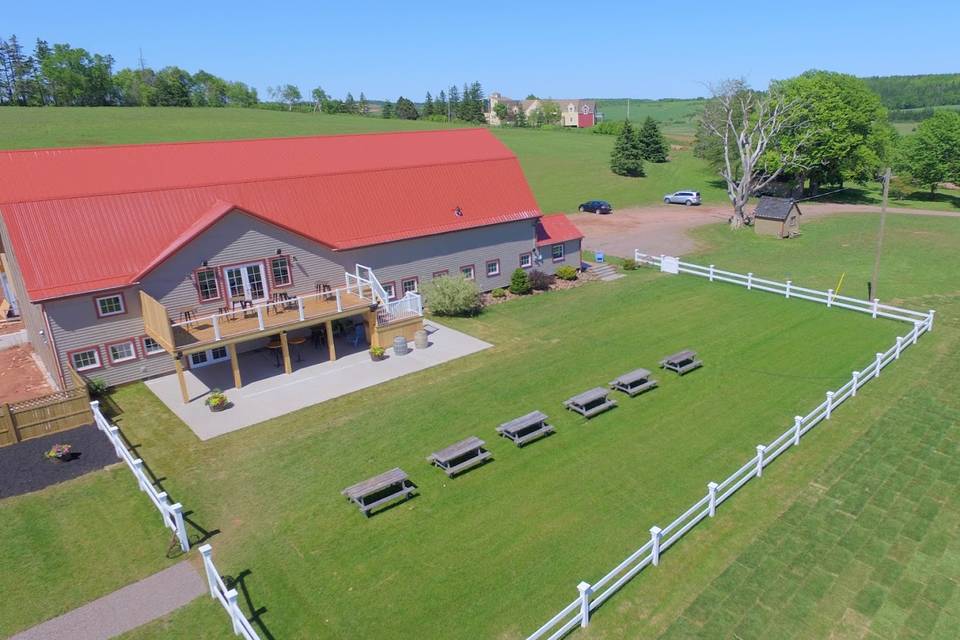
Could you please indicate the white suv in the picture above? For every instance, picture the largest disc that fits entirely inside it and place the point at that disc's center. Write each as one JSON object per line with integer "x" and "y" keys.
{"x": 688, "y": 198}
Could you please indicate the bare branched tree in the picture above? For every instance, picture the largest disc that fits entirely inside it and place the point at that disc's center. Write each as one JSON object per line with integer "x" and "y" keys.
{"x": 746, "y": 125}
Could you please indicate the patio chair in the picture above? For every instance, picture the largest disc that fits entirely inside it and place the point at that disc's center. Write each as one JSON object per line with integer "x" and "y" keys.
{"x": 359, "y": 335}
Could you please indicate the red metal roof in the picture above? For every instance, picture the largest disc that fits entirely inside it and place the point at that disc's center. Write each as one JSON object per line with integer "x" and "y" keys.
{"x": 88, "y": 219}
{"x": 555, "y": 229}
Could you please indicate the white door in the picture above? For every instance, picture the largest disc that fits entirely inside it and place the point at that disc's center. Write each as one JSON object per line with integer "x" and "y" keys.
{"x": 208, "y": 357}
{"x": 247, "y": 282}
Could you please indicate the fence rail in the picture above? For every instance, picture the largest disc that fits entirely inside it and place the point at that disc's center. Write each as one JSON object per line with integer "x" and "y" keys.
{"x": 590, "y": 596}
{"x": 226, "y": 597}
{"x": 172, "y": 514}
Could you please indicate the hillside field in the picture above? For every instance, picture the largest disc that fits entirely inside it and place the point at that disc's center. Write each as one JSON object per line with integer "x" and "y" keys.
{"x": 676, "y": 117}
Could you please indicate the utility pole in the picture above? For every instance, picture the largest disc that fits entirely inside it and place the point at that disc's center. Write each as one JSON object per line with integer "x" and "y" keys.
{"x": 873, "y": 293}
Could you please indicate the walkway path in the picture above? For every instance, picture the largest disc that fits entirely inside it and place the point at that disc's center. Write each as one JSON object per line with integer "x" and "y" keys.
{"x": 126, "y": 608}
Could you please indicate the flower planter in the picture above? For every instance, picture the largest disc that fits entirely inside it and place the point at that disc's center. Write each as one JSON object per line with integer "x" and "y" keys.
{"x": 378, "y": 358}
{"x": 216, "y": 408}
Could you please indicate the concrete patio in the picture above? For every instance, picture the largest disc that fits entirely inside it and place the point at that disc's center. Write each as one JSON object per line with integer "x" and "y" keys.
{"x": 268, "y": 393}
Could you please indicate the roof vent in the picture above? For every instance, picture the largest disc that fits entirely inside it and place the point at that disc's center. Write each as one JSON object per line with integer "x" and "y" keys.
{"x": 458, "y": 212}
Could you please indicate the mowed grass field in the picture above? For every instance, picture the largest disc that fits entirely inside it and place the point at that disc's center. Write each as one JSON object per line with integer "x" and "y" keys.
{"x": 676, "y": 117}
{"x": 564, "y": 168}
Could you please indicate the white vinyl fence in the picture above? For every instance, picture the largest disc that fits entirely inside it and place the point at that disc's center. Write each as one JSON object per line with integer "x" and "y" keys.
{"x": 172, "y": 514}
{"x": 591, "y": 596}
{"x": 227, "y": 597}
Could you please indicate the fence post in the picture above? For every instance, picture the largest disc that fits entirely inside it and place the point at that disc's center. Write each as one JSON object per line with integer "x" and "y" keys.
{"x": 879, "y": 360}
{"x": 916, "y": 330}
{"x": 789, "y": 282}
{"x": 95, "y": 408}
{"x": 829, "y": 403}
{"x": 930, "y": 320}
{"x": 162, "y": 498}
{"x": 138, "y": 472}
{"x": 711, "y": 273}
{"x": 585, "y": 592}
{"x": 749, "y": 281}
{"x": 760, "y": 451}
{"x": 300, "y": 307}
{"x": 797, "y": 421}
{"x": 216, "y": 328}
{"x": 856, "y": 382}
{"x": 655, "y": 533}
{"x": 830, "y": 298}
{"x": 233, "y": 609}
{"x": 177, "y": 511}
{"x": 114, "y": 433}
{"x": 876, "y": 302}
{"x": 206, "y": 551}
{"x": 896, "y": 353}
{"x": 712, "y": 492}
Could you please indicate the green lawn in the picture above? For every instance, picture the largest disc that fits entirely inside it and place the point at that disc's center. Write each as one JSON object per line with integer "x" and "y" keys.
{"x": 676, "y": 117}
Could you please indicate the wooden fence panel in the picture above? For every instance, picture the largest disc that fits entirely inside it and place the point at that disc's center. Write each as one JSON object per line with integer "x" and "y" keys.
{"x": 41, "y": 416}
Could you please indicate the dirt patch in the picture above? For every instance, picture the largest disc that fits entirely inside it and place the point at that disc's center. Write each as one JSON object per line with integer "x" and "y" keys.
{"x": 20, "y": 377}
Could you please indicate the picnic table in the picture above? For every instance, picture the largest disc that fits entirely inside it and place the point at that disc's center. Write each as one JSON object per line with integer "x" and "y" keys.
{"x": 526, "y": 428}
{"x": 378, "y": 490}
{"x": 591, "y": 402}
{"x": 634, "y": 383}
{"x": 681, "y": 362}
{"x": 460, "y": 456}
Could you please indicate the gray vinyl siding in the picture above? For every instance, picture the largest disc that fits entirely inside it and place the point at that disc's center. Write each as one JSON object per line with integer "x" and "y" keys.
{"x": 239, "y": 238}
{"x": 571, "y": 257}
{"x": 30, "y": 313}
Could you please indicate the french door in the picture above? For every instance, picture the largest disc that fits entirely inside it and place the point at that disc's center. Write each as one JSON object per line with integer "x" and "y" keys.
{"x": 247, "y": 282}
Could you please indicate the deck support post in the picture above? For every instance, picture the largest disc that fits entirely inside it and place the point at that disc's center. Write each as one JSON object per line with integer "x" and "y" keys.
{"x": 370, "y": 320}
{"x": 234, "y": 364}
{"x": 330, "y": 345}
{"x": 178, "y": 365}
{"x": 585, "y": 591}
{"x": 712, "y": 492}
{"x": 285, "y": 348}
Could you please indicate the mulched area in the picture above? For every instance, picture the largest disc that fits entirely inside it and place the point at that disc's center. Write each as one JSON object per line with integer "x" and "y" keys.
{"x": 23, "y": 468}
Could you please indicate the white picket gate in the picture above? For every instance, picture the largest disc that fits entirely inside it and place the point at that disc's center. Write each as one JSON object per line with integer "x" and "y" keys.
{"x": 591, "y": 596}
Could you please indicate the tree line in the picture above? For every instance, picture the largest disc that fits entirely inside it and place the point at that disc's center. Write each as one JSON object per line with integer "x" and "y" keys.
{"x": 912, "y": 92}
{"x": 65, "y": 76}
{"x": 449, "y": 104}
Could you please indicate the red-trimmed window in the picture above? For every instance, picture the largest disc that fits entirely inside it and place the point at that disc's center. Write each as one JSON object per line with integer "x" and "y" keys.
{"x": 391, "y": 289}
{"x": 120, "y": 352}
{"x": 556, "y": 251}
{"x": 151, "y": 347}
{"x": 112, "y": 305}
{"x": 408, "y": 285}
{"x": 280, "y": 272}
{"x": 86, "y": 359}
{"x": 468, "y": 272}
{"x": 493, "y": 268}
{"x": 208, "y": 285}
{"x": 441, "y": 274}
{"x": 526, "y": 260}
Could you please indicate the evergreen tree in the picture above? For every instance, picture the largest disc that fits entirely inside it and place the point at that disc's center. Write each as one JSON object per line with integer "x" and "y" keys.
{"x": 463, "y": 109}
{"x": 363, "y": 107}
{"x": 428, "y": 106}
{"x": 440, "y": 106}
{"x": 627, "y": 159}
{"x": 653, "y": 146}
{"x": 349, "y": 104}
{"x": 519, "y": 282}
{"x": 406, "y": 110}
{"x": 387, "y": 109}
{"x": 520, "y": 120}
{"x": 454, "y": 100}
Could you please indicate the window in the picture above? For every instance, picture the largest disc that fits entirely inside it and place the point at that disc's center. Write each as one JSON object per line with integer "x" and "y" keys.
{"x": 151, "y": 347}
{"x": 408, "y": 285}
{"x": 441, "y": 274}
{"x": 207, "y": 284}
{"x": 526, "y": 260}
{"x": 280, "y": 270}
{"x": 391, "y": 289}
{"x": 86, "y": 359}
{"x": 468, "y": 272}
{"x": 493, "y": 268}
{"x": 557, "y": 252}
{"x": 121, "y": 352}
{"x": 110, "y": 305}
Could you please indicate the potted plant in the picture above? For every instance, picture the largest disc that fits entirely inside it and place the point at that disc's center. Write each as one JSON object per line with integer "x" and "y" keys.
{"x": 377, "y": 353}
{"x": 59, "y": 453}
{"x": 217, "y": 400}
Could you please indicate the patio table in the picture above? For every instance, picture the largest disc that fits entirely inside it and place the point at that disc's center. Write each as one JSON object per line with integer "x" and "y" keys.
{"x": 275, "y": 346}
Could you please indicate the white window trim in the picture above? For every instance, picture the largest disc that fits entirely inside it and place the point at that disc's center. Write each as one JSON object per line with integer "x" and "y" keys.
{"x": 123, "y": 306}
{"x": 562, "y": 255}
{"x": 216, "y": 285}
{"x": 416, "y": 285}
{"x": 495, "y": 273}
{"x": 132, "y": 356}
{"x": 147, "y": 351}
{"x": 529, "y": 259}
{"x": 473, "y": 272}
{"x": 391, "y": 289}
{"x": 96, "y": 353}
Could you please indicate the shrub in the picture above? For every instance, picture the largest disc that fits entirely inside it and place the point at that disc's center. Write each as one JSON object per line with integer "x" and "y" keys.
{"x": 630, "y": 265}
{"x": 97, "y": 387}
{"x": 566, "y": 272}
{"x": 519, "y": 282}
{"x": 540, "y": 280}
{"x": 499, "y": 293}
{"x": 608, "y": 128}
{"x": 455, "y": 296}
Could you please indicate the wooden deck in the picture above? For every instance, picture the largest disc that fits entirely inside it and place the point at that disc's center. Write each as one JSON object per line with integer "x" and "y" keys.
{"x": 244, "y": 323}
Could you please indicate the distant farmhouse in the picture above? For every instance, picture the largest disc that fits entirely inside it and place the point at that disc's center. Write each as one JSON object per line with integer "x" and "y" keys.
{"x": 573, "y": 113}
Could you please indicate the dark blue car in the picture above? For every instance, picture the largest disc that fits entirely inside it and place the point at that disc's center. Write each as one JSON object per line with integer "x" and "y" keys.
{"x": 596, "y": 206}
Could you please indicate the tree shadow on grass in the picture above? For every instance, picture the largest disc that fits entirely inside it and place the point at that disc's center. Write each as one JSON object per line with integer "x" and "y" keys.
{"x": 239, "y": 582}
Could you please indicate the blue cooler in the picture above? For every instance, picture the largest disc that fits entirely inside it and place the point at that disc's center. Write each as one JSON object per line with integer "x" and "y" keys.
{"x": 599, "y": 255}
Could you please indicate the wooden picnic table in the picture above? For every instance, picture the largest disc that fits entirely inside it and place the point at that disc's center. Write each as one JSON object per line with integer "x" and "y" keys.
{"x": 378, "y": 490}
{"x": 681, "y": 362}
{"x": 634, "y": 382}
{"x": 526, "y": 428}
{"x": 591, "y": 402}
{"x": 460, "y": 456}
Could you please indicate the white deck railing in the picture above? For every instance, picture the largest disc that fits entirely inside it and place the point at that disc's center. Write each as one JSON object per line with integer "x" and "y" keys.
{"x": 591, "y": 596}
{"x": 172, "y": 514}
{"x": 408, "y": 306}
{"x": 226, "y": 597}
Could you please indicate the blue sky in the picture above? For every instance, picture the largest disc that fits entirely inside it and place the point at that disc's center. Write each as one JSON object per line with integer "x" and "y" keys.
{"x": 640, "y": 49}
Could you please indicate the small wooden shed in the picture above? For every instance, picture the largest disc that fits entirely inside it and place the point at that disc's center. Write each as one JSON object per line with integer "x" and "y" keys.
{"x": 777, "y": 217}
